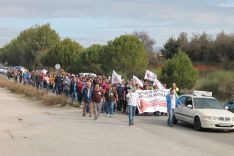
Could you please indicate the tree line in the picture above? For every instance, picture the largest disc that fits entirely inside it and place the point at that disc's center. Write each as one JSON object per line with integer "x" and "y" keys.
{"x": 41, "y": 46}
{"x": 202, "y": 48}
{"x": 130, "y": 54}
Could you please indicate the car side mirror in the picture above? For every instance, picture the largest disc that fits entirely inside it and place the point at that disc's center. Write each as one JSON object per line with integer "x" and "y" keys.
{"x": 226, "y": 107}
{"x": 231, "y": 102}
{"x": 189, "y": 106}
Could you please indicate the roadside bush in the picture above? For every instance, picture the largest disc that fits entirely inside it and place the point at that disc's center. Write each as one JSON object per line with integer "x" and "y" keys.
{"x": 221, "y": 84}
{"x": 30, "y": 91}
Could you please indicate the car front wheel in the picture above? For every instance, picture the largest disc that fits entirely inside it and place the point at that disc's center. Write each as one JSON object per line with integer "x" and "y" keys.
{"x": 197, "y": 124}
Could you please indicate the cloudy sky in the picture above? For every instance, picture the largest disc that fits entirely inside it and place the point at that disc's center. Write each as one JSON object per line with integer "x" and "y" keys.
{"x": 98, "y": 21}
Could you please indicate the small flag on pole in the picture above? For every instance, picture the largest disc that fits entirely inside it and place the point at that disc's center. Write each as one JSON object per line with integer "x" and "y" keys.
{"x": 158, "y": 84}
{"x": 137, "y": 81}
{"x": 150, "y": 75}
{"x": 116, "y": 78}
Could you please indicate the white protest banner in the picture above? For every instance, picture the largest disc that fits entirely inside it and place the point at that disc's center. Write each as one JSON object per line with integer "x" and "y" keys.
{"x": 158, "y": 84}
{"x": 137, "y": 81}
{"x": 152, "y": 100}
{"x": 150, "y": 75}
{"x": 116, "y": 78}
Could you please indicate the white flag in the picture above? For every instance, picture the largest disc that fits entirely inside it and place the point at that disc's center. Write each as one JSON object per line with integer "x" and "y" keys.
{"x": 116, "y": 78}
{"x": 150, "y": 75}
{"x": 137, "y": 81}
{"x": 44, "y": 71}
{"x": 158, "y": 84}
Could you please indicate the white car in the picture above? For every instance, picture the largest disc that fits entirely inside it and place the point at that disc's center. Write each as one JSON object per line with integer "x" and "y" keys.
{"x": 3, "y": 71}
{"x": 88, "y": 74}
{"x": 203, "y": 112}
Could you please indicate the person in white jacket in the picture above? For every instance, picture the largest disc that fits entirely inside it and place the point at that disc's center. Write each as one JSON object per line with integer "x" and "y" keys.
{"x": 133, "y": 98}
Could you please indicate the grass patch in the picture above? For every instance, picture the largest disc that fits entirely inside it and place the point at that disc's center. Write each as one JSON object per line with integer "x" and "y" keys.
{"x": 221, "y": 83}
{"x": 30, "y": 91}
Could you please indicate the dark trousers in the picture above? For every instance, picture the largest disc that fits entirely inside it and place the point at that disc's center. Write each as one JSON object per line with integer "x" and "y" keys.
{"x": 120, "y": 104}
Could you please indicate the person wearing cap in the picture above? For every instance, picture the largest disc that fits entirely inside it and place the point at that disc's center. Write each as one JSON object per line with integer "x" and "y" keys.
{"x": 133, "y": 98}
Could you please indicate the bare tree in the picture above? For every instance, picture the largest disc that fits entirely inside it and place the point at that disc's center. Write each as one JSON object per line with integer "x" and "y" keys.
{"x": 148, "y": 44}
{"x": 146, "y": 39}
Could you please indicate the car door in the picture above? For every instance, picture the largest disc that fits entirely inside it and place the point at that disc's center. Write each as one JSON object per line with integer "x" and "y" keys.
{"x": 180, "y": 110}
{"x": 189, "y": 110}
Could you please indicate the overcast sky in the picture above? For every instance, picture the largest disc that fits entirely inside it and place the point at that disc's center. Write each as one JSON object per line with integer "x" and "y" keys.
{"x": 98, "y": 21}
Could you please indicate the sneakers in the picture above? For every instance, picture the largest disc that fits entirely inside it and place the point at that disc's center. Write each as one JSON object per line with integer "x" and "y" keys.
{"x": 108, "y": 115}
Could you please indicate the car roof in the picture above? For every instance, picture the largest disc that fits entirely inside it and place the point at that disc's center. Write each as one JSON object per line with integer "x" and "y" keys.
{"x": 87, "y": 73}
{"x": 193, "y": 96}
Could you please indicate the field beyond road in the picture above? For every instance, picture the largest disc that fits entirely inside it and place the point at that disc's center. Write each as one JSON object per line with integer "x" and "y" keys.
{"x": 31, "y": 129}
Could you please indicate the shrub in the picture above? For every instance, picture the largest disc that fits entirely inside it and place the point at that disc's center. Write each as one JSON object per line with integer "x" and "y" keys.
{"x": 30, "y": 91}
{"x": 179, "y": 69}
{"x": 221, "y": 84}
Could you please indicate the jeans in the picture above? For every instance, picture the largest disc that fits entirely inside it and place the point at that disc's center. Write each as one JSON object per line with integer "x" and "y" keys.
{"x": 171, "y": 113}
{"x": 86, "y": 105}
{"x": 109, "y": 107}
{"x": 120, "y": 104}
{"x": 131, "y": 113}
{"x": 103, "y": 106}
{"x": 58, "y": 89}
{"x": 73, "y": 96}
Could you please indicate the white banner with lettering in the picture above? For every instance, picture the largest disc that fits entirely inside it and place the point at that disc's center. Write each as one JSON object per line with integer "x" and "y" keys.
{"x": 152, "y": 100}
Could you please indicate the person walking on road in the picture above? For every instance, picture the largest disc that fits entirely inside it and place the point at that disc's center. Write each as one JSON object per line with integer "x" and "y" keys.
{"x": 111, "y": 97}
{"x": 172, "y": 103}
{"x": 133, "y": 98}
{"x": 87, "y": 95}
{"x": 97, "y": 96}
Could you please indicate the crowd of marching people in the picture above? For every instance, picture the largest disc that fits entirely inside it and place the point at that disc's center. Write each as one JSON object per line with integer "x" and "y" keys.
{"x": 96, "y": 94}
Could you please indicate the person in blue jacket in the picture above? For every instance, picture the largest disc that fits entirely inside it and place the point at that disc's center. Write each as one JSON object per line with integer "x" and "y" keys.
{"x": 172, "y": 103}
{"x": 87, "y": 97}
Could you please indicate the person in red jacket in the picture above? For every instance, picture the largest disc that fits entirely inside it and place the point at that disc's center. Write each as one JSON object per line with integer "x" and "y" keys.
{"x": 79, "y": 91}
{"x": 96, "y": 98}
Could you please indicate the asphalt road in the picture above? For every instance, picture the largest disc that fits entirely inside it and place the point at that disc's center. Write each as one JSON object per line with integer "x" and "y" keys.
{"x": 30, "y": 129}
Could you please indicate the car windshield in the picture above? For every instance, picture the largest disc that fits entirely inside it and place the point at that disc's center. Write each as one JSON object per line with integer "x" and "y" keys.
{"x": 207, "y": 103}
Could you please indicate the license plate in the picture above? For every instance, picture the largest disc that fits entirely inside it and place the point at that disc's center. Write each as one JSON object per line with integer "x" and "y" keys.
{"x": 224, "y": 124}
